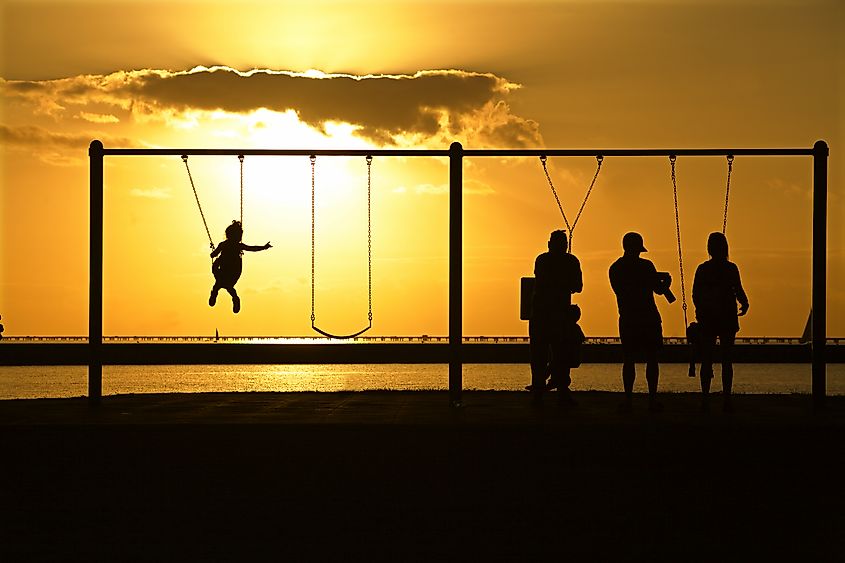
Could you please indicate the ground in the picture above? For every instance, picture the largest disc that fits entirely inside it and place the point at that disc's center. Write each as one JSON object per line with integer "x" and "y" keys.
{"x": 401, "y": 476}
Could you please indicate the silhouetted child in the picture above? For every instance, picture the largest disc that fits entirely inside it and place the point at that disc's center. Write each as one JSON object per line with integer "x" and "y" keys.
{"x": 228, "y": 265}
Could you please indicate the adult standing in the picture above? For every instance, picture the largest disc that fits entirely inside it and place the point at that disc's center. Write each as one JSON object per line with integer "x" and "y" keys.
{"x": 557, "y": 275}
{"x": 716, "y": 290}
{"x": 635, "y": 280}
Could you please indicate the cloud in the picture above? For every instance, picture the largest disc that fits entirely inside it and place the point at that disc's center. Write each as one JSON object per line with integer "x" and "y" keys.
{"x": 98, "y": 117}
{"x": 429, "y": 105}
{"x": 151, "y": 193}
{"x": 33, "y": 136}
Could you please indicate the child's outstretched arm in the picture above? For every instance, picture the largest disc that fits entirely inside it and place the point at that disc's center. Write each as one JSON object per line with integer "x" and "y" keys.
{"x": 217, "y": 250}
{"x": 256, "y": 248}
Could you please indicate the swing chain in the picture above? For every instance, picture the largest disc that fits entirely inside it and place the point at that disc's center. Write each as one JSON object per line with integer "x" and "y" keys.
{"x": 369, "y": 160}
{"x": 727, "y": 193}
{"x": 313, "y": 160}
{"x": 369, "y": 240}
{"x": 672, "y": 159}
{"x": 557, "y": 199}
{"x": 241, "y": 159}
{"x": 599, "y": 160}
{"x": 193, "y": 187}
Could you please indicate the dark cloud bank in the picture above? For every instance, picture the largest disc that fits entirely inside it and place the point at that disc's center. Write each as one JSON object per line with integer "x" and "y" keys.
{"x": 437, "y": 105}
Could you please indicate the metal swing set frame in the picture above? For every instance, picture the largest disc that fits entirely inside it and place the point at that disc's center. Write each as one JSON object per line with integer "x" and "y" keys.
{"x": 456, "y": 153}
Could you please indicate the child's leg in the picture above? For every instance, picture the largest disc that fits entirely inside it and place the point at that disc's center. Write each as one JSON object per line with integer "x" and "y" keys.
{"x": 236, "y": 301}
{"x": 212, "y": 299}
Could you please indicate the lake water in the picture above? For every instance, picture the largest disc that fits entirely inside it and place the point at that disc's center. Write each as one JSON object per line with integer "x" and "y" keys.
{"x": 71, "y": 381}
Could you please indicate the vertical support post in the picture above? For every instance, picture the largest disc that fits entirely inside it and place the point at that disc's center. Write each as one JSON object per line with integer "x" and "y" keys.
{"x": 95, "y": 274}
{"x": 456, "y": 154}
{"x": 819, "y": 267}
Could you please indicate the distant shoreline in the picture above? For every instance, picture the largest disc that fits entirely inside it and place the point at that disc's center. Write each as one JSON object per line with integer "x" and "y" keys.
{"x": 333, "y": 352}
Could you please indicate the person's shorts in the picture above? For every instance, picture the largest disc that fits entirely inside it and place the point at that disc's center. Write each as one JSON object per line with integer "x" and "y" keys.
{"x": 640, "y": 340}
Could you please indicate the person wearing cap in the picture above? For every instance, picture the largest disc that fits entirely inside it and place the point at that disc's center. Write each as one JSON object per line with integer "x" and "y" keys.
{"x": 557, "y": 275}
{"x": 635, "y": 280}
{"x": 716, "y": 290}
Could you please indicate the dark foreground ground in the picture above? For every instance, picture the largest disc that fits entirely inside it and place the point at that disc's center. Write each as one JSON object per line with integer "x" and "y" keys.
{"x": 400, "y": 476}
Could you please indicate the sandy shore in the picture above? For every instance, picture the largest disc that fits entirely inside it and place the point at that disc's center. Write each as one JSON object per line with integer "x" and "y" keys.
{"x": 400, "y": 476}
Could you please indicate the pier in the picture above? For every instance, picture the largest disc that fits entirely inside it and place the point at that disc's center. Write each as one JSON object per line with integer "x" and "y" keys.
{"x": 166, "y": 350}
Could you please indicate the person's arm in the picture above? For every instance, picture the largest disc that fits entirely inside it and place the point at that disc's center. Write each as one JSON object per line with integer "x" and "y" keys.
{"x": 614, "y": 278}
{"x": 538, "y": 267}
{"x": 741, "y": 297}
{"x": 255, "y": 248}
{"x": 217, "y": 250}
{"x": 578, "y": 284}
{"x": 657, "y": 285}
{"x": 697, "y": 286}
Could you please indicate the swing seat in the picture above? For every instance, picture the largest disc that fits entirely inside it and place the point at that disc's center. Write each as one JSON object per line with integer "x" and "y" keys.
{"x": 341, "y": 336}
{"x": 314, "y": 327}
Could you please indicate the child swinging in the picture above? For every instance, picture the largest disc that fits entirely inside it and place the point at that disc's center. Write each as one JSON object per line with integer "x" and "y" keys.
{"x": 228, "y": 264}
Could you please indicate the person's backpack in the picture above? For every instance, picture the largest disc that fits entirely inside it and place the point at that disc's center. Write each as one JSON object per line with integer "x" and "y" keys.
{"x": 576, "y": 337}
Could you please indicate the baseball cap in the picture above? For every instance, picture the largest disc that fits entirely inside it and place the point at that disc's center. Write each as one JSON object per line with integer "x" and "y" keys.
{"x": 633, "y": 242}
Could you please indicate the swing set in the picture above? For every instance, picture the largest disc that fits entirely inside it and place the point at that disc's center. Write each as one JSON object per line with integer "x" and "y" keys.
{"x": 313, "y": 159}
{"x": 456, "y": 153}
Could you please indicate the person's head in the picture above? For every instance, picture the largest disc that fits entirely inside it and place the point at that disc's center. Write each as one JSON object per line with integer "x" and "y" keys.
{"x": 234, "y": 231}
{"x": 632, "y": 244}
{"x": 557, "y": 241}
{"x": 717, "y": 246}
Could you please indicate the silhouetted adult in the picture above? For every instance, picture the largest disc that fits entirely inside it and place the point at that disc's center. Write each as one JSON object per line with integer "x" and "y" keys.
{"x": 635, "y": 280}
{"x": 716, "y": 291}
{"x": 557, "y": 275}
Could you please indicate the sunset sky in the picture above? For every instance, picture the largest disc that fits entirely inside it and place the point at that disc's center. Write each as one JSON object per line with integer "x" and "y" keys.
{"x": 408, "y": 74}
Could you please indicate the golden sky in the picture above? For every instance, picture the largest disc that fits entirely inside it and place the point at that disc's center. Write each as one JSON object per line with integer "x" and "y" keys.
{"x": 558, "y": 74}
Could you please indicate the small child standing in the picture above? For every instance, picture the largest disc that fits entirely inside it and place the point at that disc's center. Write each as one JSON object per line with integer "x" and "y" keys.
{"x": 228, "y": 265}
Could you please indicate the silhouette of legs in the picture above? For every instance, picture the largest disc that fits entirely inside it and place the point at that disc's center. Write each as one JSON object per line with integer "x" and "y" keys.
{"x": 727, "y": 342}
{"x": 236, "y": 301}
{"x": 560, "y": 365}
{"x": 212, "y": 299}
{"x": 548, "y": 356}
{"x": 636, "y": 339}
{"x": 539, "y": 347}
{"x": 708, "y": 348}
{"x": 629, "y": 375}
{"x": 561, "y": 377}
{"x": 652, "y": 376}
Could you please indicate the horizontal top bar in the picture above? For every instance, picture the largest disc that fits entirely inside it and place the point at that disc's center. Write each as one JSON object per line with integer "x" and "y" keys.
{"x": 637, "y": 152}
{"x": 274, "y": 152}
{"x": 465, "y": 152}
